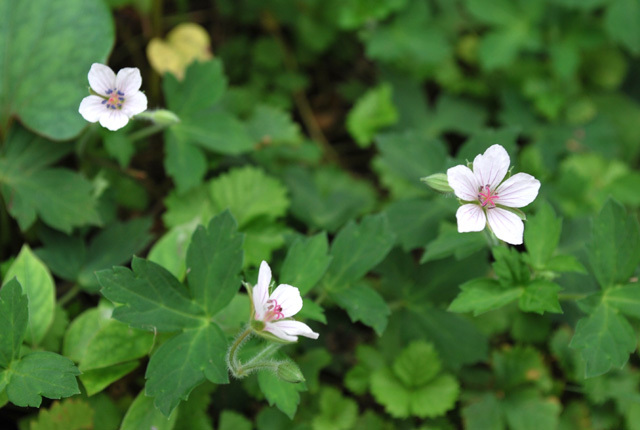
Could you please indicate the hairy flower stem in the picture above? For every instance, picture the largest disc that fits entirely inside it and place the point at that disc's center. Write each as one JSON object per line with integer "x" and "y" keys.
{"x": 261, "y": 360}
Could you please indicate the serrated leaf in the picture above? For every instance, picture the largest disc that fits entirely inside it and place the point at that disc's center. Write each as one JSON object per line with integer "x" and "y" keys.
{"x": 417, "y": 364}
{"x": 510, "y": 267}
{"x": 14, "y": 317}
{"x": 51, "y": 110}
{"x": 306, "y": 262}
{"x": 435, "y": 398}
{"x": 214, "y": 259}
{"x": 605, "y": 340}
{"x": 625, "y": 299}
{"x": 41, "y": 374}
{"x": 70, "y": 414}
{"x": 183, "y": 362}
{"x": 530, "y": 411}
{"x": 541, "y": 296}
{"x": 541, "y": 235}
{"x": 520, "y": 366}
{"x": 285, "y": 395}
{"x": 149, "y": 297}
{"x": 142, "y": 414}
{"x": 362, "y": 303}
{"x": 482, "y": 295}
{"x": 272, "y": 126}
{"x": 614, "y": 251}
{"x": 336, "y": 411}
{"x": 485, "y": 414}
{"x": 356, "y": 249}
{"x": 372, "y": 112}
{"x": 96, "y": 380}
{"x": 37, "y": 283}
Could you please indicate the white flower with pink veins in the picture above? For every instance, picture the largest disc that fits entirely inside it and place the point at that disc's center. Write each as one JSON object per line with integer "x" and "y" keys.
{"x": 273, "y": 312}
{"x": 116, "y": 98}
{"x": 487, "y": 198}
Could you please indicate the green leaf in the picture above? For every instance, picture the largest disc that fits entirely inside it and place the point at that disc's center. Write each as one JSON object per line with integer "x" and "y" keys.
{"x": 528, "y": 411}
{"x": 336, "y": 411}
{"x": 37, "y": 283}
{"x": 61, "y": 198}
{"x": 541, "y": 235}
{"x": 272, "y": 126}
{"x": 149, "y": 297}
{"x": 230, "y": 420}
{"x": 355, "y": 13}
{"x": 142, "y": 414}
{"x": 622, "y": 22}
{"x": 372, "y": 112}
{"x": 449, "y": 242}
{"x": 214, "y": 259}
{"x": 362, "y": 303}
{"x": 625, "y": 299}
{"x": 306, "y": 262}
{"x": 565, "y": 263}
{"x": 510, "y": 267}
{"x": 482, "y": 295}
{"x": 485, "y": 414}
{"x": 185, "y": 361}
{"x": 614, "y": 251}
{"x": 417, "y": 364}
{"x": 605, "y": 340}
{"x": 71, "y": 414}
{"x": 83, "y": 328}
{"x": 194, "y": 413}
{"x": 518, "y": 366}
{"x": 51, "y": 110}
{"x": 41, "y": 374}
{"x": 14, "y": 317}
{"x": 541, "y": 296}
{"x": 184, "y": 162}
{"x": 96, "y": 380}
{"x": 357, "y": 249}
{"x": 415, "y": 222}
{"x": 285, "y": 395}
{"x": 170, "y": 251}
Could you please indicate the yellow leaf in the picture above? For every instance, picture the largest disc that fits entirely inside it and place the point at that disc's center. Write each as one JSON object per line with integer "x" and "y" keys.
{"x": 183, "y": 45}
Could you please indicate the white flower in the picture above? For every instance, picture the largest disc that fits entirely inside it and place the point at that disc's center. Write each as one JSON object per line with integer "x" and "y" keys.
{"x": 274, "y": 310}
{"x": 118, "y": 97}
{"x": 486, "y": 196}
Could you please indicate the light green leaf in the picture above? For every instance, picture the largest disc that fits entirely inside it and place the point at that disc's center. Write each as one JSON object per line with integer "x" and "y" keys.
{"x": 142, "y": 414}
{"x": 541, "y": 296}
{"x": 184, "y": 162}
{"x": 30, "y": 62}
{"x": 170, "y": 251}
{"x": 499, "y": 48}
{"x": 149, "y": 297}
{"x": 510, "y": 267}
{"x": 417, "y": 364}
{"x": 37, "y": 283}
{"x": 605, "y": 340}
{"x": 96, "y": 380}
{"x": 362, "y": 303}
{"x": 389, "y": 391}
{"x": 495, "y": 12}
{"x": 372, "y": 112}
{"x": 230, "y": 420}
{"x": 482, "y": 295}
{"x": 614, "y": 251}
{"x": 183, "y": 362}
{"x": 626, "y": 299}
{"x": 541, "y": 235}
{"x": 61, "y": 198}
{"x": 83, "y": 328}
{"x": 202, "y": 88}
{"x": 214, "y": 259}
{"x": 41, "y": 374}
{"x": 14, "y": 317}
{"x": 336, "y": 411}
{"x": 436, "y": 398}
{"x": 271, "y": 126}
{"x": 565, "y": 263}
{"x": 357, "y": 249}
{"x": 194, "y": 413}
{"x": 285, "y": 395}
{"x": 529, "y": 411}
{"x": 70, "y": 414}
{"x": 306, "y": 261}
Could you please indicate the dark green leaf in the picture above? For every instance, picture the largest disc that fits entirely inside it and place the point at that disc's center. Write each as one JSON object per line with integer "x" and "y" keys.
{"x": 541, "y": 296}
{"x": 622, "y": 21}
{"x": 214, "y": 259}
{"x": 482, "y": 295}
{"x": 510, "y": 267}
{"x": 484, "y": 414}
{"x": 626, "y": 299}
{"x": 306, "y": 261}
{"x": 71, "y": 414}
{"x": 415, "y": 222}
{"x": 96, "y": 380}
{"x": 142, "y": 414}
{"x": 529, "y": 411}
{"x": 541, "y": 235}
{"x": 285, "y": 395}
{"x": 272, "y": 126}
{"x": 449, "y": 242}
{"x": 186, "y": 163}
{"x": 14, "y": 316}
{"x": 411, "y": 155}
{"x": 363, "y": 304}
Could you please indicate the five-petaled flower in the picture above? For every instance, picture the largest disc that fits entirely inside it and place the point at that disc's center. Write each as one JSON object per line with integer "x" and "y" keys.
{"x": 271, "y": 313}
{"x": 487, "y": 199}
{"x": 116, "y": 98}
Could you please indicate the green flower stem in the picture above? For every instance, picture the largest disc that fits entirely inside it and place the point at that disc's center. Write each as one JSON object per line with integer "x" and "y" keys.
{"x": 260, "y": 362}
{"x": 146, "y": 132}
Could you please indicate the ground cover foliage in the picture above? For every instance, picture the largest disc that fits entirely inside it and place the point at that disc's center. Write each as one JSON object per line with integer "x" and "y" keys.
{"x": 296, "y": 132}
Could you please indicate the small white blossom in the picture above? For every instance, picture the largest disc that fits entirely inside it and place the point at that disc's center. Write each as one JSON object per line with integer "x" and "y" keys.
{"x": 118, "y": 98}
{"x": 276, "y": 309}
{"x": 486, "y": 196}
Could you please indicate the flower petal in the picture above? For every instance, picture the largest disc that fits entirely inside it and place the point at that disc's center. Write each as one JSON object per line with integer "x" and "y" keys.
{"x": 128, "y": 80}
{"x": 91, "y": 108}
{"x": 518, "y": 191}
{"x": 261, "y": 290}
{"x": 289, "y": 330}
{"x": 101, "y": 79}
{"x": 114, "y": 119}
{"x": 464, "y": 183}
{"x": 135, "y": 104}
{"x": 491, "y": 167}
{"x": 471, "y": 218}
{"x": 288, "y": 298}
{"x": 506, "y": 225}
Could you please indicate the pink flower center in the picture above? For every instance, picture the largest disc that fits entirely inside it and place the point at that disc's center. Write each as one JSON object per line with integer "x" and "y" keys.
{"x": 115, "y": 100}
{"x": 274, "y": 311}
{"x": 487, "y": 197}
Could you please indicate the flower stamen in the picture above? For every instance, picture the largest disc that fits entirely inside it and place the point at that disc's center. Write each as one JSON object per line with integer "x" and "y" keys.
{"x": 487, "y": 197}
{"x": 274, "y": 310}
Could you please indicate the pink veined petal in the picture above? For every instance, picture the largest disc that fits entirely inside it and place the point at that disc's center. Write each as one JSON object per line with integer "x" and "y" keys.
{"x": 114, "y": 119}
{"x": 470, "y": 218}
{"x": 288, "y": 298}
{"x": 518, "y": 191}
{"x": 135, "y": 104}
{"x": 128, "y": 80}
{"x": 491, "y": 167}
{"x": 101, "y": 79}
{"x": 261, "y": 290}
{"x": 91, "y": 108}
{"x": 464, "y": 182}
{"x": 506, "y": 225}
{"x": 290, "y": 330}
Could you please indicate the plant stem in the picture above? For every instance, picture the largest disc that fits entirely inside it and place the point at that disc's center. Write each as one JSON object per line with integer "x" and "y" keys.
{"x": 69, "y": 295}
{"x": 146, "y": 132}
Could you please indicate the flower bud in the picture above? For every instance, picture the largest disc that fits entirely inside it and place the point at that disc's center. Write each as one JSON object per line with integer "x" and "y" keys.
{"x": 439, "y": 182}
{"x": 160, "y": 116}
{"x": 290, "y": 372}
